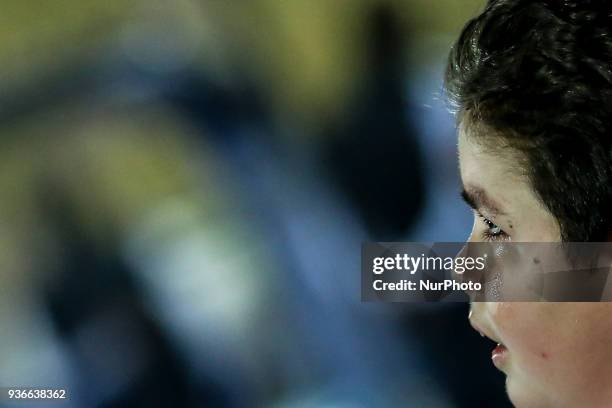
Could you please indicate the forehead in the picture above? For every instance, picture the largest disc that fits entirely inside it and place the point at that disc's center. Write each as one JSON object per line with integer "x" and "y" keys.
{"x": 488, "y": 164}
{"x": 496, "y": 171}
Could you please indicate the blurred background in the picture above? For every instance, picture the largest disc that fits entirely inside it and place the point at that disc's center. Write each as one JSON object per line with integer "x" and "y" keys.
{"x": 185, "y": 186}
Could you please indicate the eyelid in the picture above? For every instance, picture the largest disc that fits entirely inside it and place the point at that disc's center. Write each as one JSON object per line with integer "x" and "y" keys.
{"x": 487, "y": 220}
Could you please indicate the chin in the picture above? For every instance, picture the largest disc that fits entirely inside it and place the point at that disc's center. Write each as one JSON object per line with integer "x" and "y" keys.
{"x": 523, "y": 395}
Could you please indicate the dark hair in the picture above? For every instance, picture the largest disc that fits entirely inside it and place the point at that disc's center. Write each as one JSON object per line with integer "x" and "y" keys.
{"x": 539, "y": 73}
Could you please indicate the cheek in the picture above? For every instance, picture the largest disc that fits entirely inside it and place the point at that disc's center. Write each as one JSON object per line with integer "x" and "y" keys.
{"x": 556, "y": 349}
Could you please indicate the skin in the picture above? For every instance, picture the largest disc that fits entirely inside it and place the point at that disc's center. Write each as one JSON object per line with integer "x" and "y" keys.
{"x": 559, "y": 354}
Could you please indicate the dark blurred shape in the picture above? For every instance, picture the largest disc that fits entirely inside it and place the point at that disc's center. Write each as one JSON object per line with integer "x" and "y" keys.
{"x": 123, "y": 355}
{"x": 373, "y": 152}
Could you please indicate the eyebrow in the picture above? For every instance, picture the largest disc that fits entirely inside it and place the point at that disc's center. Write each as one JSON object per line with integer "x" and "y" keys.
{"x": 478, "y": 199}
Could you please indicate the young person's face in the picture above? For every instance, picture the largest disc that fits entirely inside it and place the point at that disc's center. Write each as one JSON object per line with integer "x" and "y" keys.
{"x": 553, "y": 354}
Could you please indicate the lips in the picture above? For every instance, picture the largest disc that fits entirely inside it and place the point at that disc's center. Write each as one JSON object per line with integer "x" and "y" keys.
{"x": 499, "y": 355}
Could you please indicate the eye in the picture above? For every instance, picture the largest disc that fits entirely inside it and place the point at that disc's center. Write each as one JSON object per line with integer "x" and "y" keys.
{"x": 493, "y": 231}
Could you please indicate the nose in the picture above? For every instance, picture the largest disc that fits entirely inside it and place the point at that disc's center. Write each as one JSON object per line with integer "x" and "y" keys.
{"x": 476, "y": 313}
{"x": 471, "y": 250}
{"x": 473, "y": 237}
{"x": 463, "y": 251}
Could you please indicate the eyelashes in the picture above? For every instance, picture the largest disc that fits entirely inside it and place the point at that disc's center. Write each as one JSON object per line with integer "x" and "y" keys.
{"x": 493, "y": 232}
